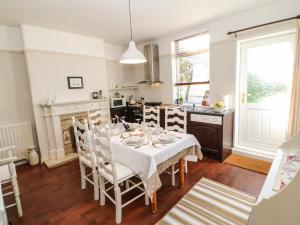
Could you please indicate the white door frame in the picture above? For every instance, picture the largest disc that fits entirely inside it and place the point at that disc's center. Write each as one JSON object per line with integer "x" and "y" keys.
{"x": 256, "y": 153}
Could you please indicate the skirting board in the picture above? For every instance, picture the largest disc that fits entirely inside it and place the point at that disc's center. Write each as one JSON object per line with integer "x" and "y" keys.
{"x": 52, "y": 163}
{"x": 255, "y": 153}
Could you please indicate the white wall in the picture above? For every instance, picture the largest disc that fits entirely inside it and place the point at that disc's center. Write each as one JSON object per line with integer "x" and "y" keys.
{"x": 15, "y": 98}
{"x": 222, "y": 49}
{"x": 51, "y": 57}
{"x": 118, "y": 74}
{"x": 10, "y": 39}
{"x": 35, "y": 63}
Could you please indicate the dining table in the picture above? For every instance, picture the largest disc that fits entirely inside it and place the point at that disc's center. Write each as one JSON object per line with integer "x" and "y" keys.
{"x": 151, "y": 159}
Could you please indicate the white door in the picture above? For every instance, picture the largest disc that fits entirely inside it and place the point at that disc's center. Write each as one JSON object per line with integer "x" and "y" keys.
{"x": 266, "y": 66}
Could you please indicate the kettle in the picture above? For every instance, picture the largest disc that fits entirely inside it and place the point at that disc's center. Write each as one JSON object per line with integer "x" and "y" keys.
{"x": 131, "y": 100}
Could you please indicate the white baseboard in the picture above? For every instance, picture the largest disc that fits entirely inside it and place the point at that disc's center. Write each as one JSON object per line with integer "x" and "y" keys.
{"x": 255, "y": 153}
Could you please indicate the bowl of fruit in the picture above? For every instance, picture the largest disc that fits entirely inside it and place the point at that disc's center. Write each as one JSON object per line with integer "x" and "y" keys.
{"x": 219, "y": 106}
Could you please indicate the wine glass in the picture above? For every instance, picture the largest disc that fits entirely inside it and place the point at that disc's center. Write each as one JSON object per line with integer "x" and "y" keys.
{"x": 157, "y": 130}
{"x": 138, "y": 121}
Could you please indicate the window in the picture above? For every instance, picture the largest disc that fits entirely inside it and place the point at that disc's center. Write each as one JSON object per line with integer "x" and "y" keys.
{"x": 192, "y": 62}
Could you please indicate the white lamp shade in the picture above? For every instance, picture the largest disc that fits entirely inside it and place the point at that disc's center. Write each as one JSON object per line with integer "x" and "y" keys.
{"x": 132, "y": 55}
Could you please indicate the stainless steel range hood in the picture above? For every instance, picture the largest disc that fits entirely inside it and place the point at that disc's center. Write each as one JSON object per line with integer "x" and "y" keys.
{"x": 152, "y": 64}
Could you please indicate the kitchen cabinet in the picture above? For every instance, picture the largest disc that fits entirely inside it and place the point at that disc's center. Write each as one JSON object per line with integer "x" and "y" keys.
{"x": 120, "y": 111}
{"x": 134, "y": 113}
{"x": 214, "y": 133}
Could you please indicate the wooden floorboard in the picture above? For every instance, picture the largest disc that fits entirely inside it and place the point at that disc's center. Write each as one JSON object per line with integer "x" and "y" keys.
{"x": 54, "y": 196}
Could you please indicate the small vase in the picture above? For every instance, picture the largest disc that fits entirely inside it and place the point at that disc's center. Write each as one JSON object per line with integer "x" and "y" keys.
{"x": 32, "y": 157}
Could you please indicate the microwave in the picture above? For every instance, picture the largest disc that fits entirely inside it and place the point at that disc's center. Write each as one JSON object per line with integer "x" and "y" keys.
{"x": 117, "y": 102}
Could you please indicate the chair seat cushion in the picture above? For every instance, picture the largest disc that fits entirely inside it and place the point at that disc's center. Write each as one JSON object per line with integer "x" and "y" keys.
{"x": 123, "y": 173}
{"x": 86, "y": 159}
{"x": 4, "y": 173}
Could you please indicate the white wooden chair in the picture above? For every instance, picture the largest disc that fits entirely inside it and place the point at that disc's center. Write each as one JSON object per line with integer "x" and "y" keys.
{"x": 100, "y": 116}
{"x": 8, "y": 175}
{"x": 87, "y": 158}
{"x": 176, "y": 120}
{"x": 151, "y": 116}
{"x": 114, "y": 173}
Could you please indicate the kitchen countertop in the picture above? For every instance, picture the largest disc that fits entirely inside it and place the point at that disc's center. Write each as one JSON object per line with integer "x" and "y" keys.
{"x": 197, "y": 110}
{"x": 210, "y": 112}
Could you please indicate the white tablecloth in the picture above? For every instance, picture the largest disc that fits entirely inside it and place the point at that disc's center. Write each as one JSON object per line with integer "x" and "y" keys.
{"x": 144, "y": 160}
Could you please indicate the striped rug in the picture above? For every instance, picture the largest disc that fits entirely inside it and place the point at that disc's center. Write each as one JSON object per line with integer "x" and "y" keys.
{"x": 209, "y": 202}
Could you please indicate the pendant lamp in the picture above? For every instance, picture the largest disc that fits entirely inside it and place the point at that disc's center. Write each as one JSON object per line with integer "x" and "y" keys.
{"x": 132, "y": 55}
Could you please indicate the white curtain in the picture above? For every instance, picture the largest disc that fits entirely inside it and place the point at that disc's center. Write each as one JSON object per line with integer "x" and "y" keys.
{"x": 294, "y": 113}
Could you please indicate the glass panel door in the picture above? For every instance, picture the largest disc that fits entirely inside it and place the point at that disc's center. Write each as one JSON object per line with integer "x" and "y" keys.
{"x": 265, "y": 75}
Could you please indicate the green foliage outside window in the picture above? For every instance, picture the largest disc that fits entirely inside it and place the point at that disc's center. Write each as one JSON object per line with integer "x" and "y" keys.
{"x": 185, "y": 75}
{"x": 258, "y": 89}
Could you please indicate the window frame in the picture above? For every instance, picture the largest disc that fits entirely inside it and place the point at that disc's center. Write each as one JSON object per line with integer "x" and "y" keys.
{"x": 187, "y": 54}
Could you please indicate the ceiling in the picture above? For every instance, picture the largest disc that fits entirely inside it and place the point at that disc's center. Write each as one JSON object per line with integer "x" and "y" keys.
{"x": 109, "y": 19}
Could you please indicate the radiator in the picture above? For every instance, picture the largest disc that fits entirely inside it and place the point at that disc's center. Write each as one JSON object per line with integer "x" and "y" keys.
{"x": 19, "y": 135}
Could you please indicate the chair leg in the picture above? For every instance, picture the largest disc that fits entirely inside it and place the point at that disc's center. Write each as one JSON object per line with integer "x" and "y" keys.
{"x": 146, "y": 197}
{"x": 185, "y": 166}
{"x": 82, "y": 175}
{"x": 173, "y": 174}
{"x": 17, "y": 196}
{"x": 127, "y": 184}
{"x": 15, "y": 186}
{"x": 102, "y": 190}
{"x": 96, "y": 185}
{"x": 118, "y": 200}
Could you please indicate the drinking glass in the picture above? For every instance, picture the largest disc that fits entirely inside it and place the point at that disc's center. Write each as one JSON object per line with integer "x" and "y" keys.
{"x": 157, "y": 130}
{"x": 148, "y": 132}
{"x": 143, "y": 126}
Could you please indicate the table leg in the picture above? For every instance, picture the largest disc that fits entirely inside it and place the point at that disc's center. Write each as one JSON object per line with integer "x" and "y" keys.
{"x": 154, "y": 208}
{"x": 181, "y": 173}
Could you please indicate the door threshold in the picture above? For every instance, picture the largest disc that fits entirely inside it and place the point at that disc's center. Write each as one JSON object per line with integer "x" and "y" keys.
{"x": 254, "y": 153}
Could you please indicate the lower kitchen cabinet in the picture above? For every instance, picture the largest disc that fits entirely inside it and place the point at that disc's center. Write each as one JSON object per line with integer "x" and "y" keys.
{"x": 120, "y": 111}
{"x": 214, "y": 133}
{"x": 135, "y": 113}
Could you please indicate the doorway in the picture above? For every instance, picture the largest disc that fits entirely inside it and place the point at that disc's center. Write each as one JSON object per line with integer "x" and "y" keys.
{"x": 263, "y": 92}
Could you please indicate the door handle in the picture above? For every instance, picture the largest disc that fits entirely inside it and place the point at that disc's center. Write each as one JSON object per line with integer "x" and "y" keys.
{"x": 244, "y": 97}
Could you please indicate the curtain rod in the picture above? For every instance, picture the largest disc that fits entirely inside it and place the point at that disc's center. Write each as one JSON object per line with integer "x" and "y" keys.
{"x": 265, "y": 24}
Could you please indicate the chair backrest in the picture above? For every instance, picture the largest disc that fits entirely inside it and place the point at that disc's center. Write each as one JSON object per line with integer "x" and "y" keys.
{"x": 83, "y": 139}
{"x": 151, "y": 115}
{"x": 104, "y": 155}
{"x": 99, "y": 116}
{"x": 8, "y": 159}
{"x": 176, "y": 119}
{"x": 283, "y": 207}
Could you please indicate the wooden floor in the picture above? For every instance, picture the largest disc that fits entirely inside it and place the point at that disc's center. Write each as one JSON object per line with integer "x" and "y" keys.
{"x": 55, "y": 197}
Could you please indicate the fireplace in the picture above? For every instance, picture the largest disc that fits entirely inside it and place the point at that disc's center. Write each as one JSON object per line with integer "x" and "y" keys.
{"x": 58, "y": 118}
{"x": 67, "y": 131}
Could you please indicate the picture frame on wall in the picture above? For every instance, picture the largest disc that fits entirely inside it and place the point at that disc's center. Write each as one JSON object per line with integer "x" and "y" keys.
{"x": 75, "y": 82}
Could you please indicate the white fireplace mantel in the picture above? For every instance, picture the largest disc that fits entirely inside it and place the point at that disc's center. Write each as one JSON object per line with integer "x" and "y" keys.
{"x": 65, "y": 108}
{"x": 52, "y": 115}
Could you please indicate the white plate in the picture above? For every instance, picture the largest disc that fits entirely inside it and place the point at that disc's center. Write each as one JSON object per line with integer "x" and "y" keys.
{"x": 134, "y": 140}
{"x": 165, "y": 138}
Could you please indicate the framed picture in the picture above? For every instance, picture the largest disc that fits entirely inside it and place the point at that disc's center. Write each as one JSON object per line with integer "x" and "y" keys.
{"x": 75, "y": 82}
{"x": 66, "y": 136}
